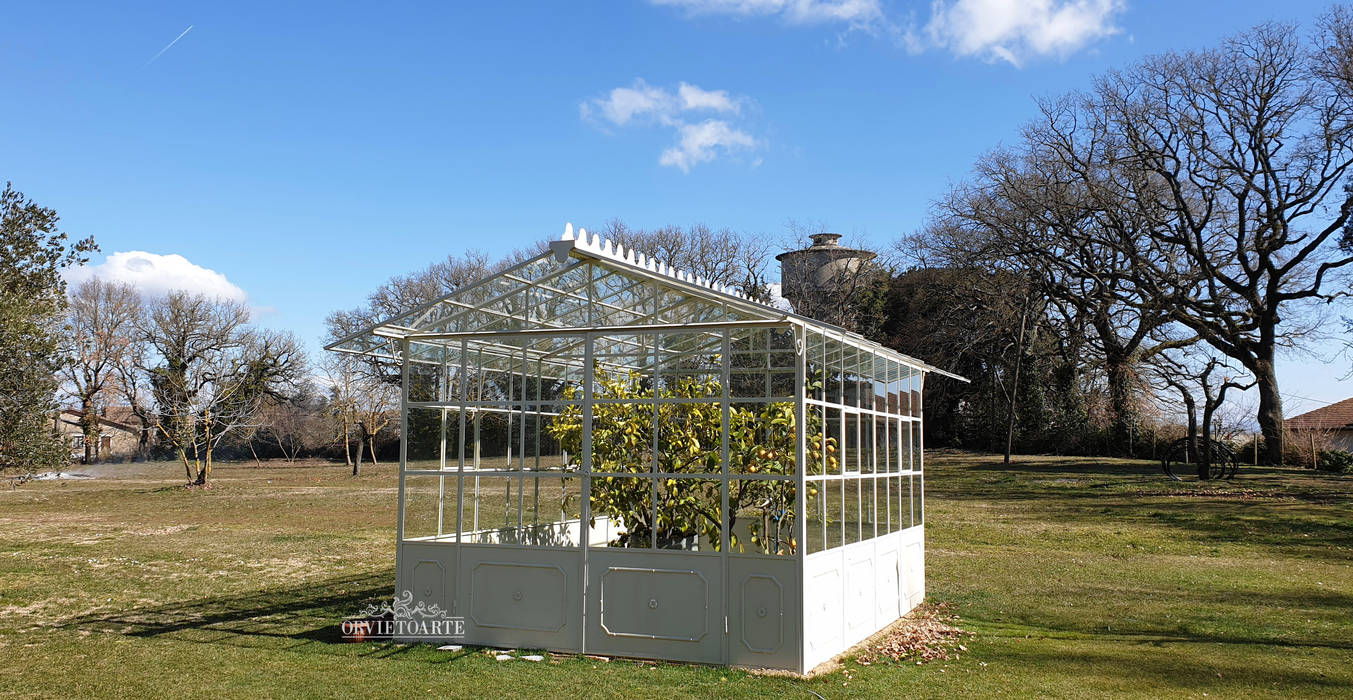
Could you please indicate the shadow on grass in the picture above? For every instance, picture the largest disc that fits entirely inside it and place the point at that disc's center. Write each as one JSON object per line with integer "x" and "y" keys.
{"x": 1285, "y": 510}
{"x": 302, "y": 618}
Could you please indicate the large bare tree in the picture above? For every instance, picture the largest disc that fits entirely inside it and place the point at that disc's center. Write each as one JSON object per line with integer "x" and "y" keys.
{"x": 214, "y": 373}
{"x": 100, "y": 342}
{"x": 1217, "y": 178}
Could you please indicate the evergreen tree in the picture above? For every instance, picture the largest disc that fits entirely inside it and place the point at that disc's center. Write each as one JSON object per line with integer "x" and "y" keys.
{"x": 32, "y": 297}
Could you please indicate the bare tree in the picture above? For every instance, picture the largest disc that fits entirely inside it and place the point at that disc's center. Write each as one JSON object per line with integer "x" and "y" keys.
{"x": 722, "y": 256}
{"x": 342, "y": 375}
{"x": 99, "y": 341}
{"x": 133, "y": 386}
{"x": 1218, "y": 175}
{"x": 294, "y": 424}
{"x": 214, "y": 374}
{"x": 375, "y": 406}
{"x": 1021, "y": 211}
{"x": 1190, "y": 372}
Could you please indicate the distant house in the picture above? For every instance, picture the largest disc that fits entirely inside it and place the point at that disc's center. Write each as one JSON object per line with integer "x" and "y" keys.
{"x": 118, "y": 438}
{"x": 1333, "y": 424}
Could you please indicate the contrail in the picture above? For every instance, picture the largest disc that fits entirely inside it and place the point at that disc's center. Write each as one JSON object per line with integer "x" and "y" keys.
{"x": 168, "y": 46}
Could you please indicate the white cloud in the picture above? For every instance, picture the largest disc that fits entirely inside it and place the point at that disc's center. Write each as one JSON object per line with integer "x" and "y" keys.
{"x": 855, "y": 13}
{"x": 994, "y": 30}
{"x": 155, "y": 275}
{"x": 641, "y": 104}
{"x": 644, "y": 102}
{"x": 1014, "y": 31}
{"x": 698, "y": 143}
{"x": 693, "y": 98}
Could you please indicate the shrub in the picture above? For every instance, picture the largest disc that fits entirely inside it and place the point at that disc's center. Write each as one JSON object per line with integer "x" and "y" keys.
{"x": 1337, "y": 461}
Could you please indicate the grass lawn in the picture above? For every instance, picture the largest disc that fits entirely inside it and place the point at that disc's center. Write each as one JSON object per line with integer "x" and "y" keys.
{"x": 1077, "y": 576}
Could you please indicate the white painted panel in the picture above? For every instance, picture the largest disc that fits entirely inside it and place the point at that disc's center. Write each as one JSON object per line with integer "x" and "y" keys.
{"x": 888, "y": 589}
{"x": 824, "y": 624}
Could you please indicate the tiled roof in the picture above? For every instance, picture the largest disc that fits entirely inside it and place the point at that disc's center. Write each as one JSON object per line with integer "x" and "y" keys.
{"x": 1331, "y": 417}
{"x": 103, "y": 420}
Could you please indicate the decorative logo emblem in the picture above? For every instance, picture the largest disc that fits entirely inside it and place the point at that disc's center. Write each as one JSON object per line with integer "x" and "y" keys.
{"x": 403, "y": 619}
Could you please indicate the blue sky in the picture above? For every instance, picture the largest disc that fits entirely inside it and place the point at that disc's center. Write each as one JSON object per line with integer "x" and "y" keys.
{"x": 301, "y": 154}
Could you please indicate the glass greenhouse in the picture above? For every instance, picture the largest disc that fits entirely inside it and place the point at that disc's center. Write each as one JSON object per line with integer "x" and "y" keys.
{"x": 601, "y": 454}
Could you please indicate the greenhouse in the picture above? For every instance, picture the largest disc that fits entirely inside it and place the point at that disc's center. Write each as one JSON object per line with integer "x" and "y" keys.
{"x": 602, "y": 454}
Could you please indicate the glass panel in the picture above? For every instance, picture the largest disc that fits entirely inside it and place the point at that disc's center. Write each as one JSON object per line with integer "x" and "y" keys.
{"x": 814, "y": 501}
{"x": 761, "y": 517}
{"x": 817, "y": 441}
{"x": 428, "y": 428}
{"x": 424, "y": 517}
{"x": 835, "y": 371}
{"x": 853, "y": 512}
{"x": 894, "y": 503}
{"x": 815, "y": 379}
{"x": 886, "y": 448}
{"x": 834, "y": 494}
{"x": 871, "y": 498}
{"x": 688, "y": 514}
{"x": 904, "y": 386}
{"x": 784, "y": 362}
{"x": 835, "y": 434}
{"x": 488, "y": 446}
{"x": 551, "y": 511}
{"x": 426, "y": 372}
{"x": 867, "y": 452}
{"x": 851, "y": 377}
{"x": 541, "y": 451}
{"x": 894, "y": 387}
{"x": 852, "y": 443}
{"x": 904, "y": 444}
{"x": 492, "y": 509}
{"x": 880, "y": 383}
{"x": 622, "y": 512}
{"x": 761, "y": 438}
{"x": 912, "y": 505}
{"x": 622, "y": 437}
{"x": 916, "y": 380}
{"x": 690, "y": 437}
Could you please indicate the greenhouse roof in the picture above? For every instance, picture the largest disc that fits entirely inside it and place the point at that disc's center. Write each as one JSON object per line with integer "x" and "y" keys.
{"x": 584, "y": 284}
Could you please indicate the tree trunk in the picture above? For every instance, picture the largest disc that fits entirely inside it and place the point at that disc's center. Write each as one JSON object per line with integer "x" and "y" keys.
{"x": 204, "y": 472}
{"x": 187, "y": 468}
{"x": 1014, "y": 386}
{"x": 1121, "y": 401}
{"x": 347, "y": 442}
{"x": 89, "y": 427}
{"x": 1270, "y": 410}
{"x": 1205, "y": 444}
{"x": 371, "y": 441}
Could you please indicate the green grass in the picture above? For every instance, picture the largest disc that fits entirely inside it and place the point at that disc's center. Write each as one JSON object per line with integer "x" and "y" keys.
{"x": 1077, "y": 576}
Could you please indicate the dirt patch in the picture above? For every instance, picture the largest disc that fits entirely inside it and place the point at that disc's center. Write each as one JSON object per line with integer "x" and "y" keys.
{"x": 167, "y": 530}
